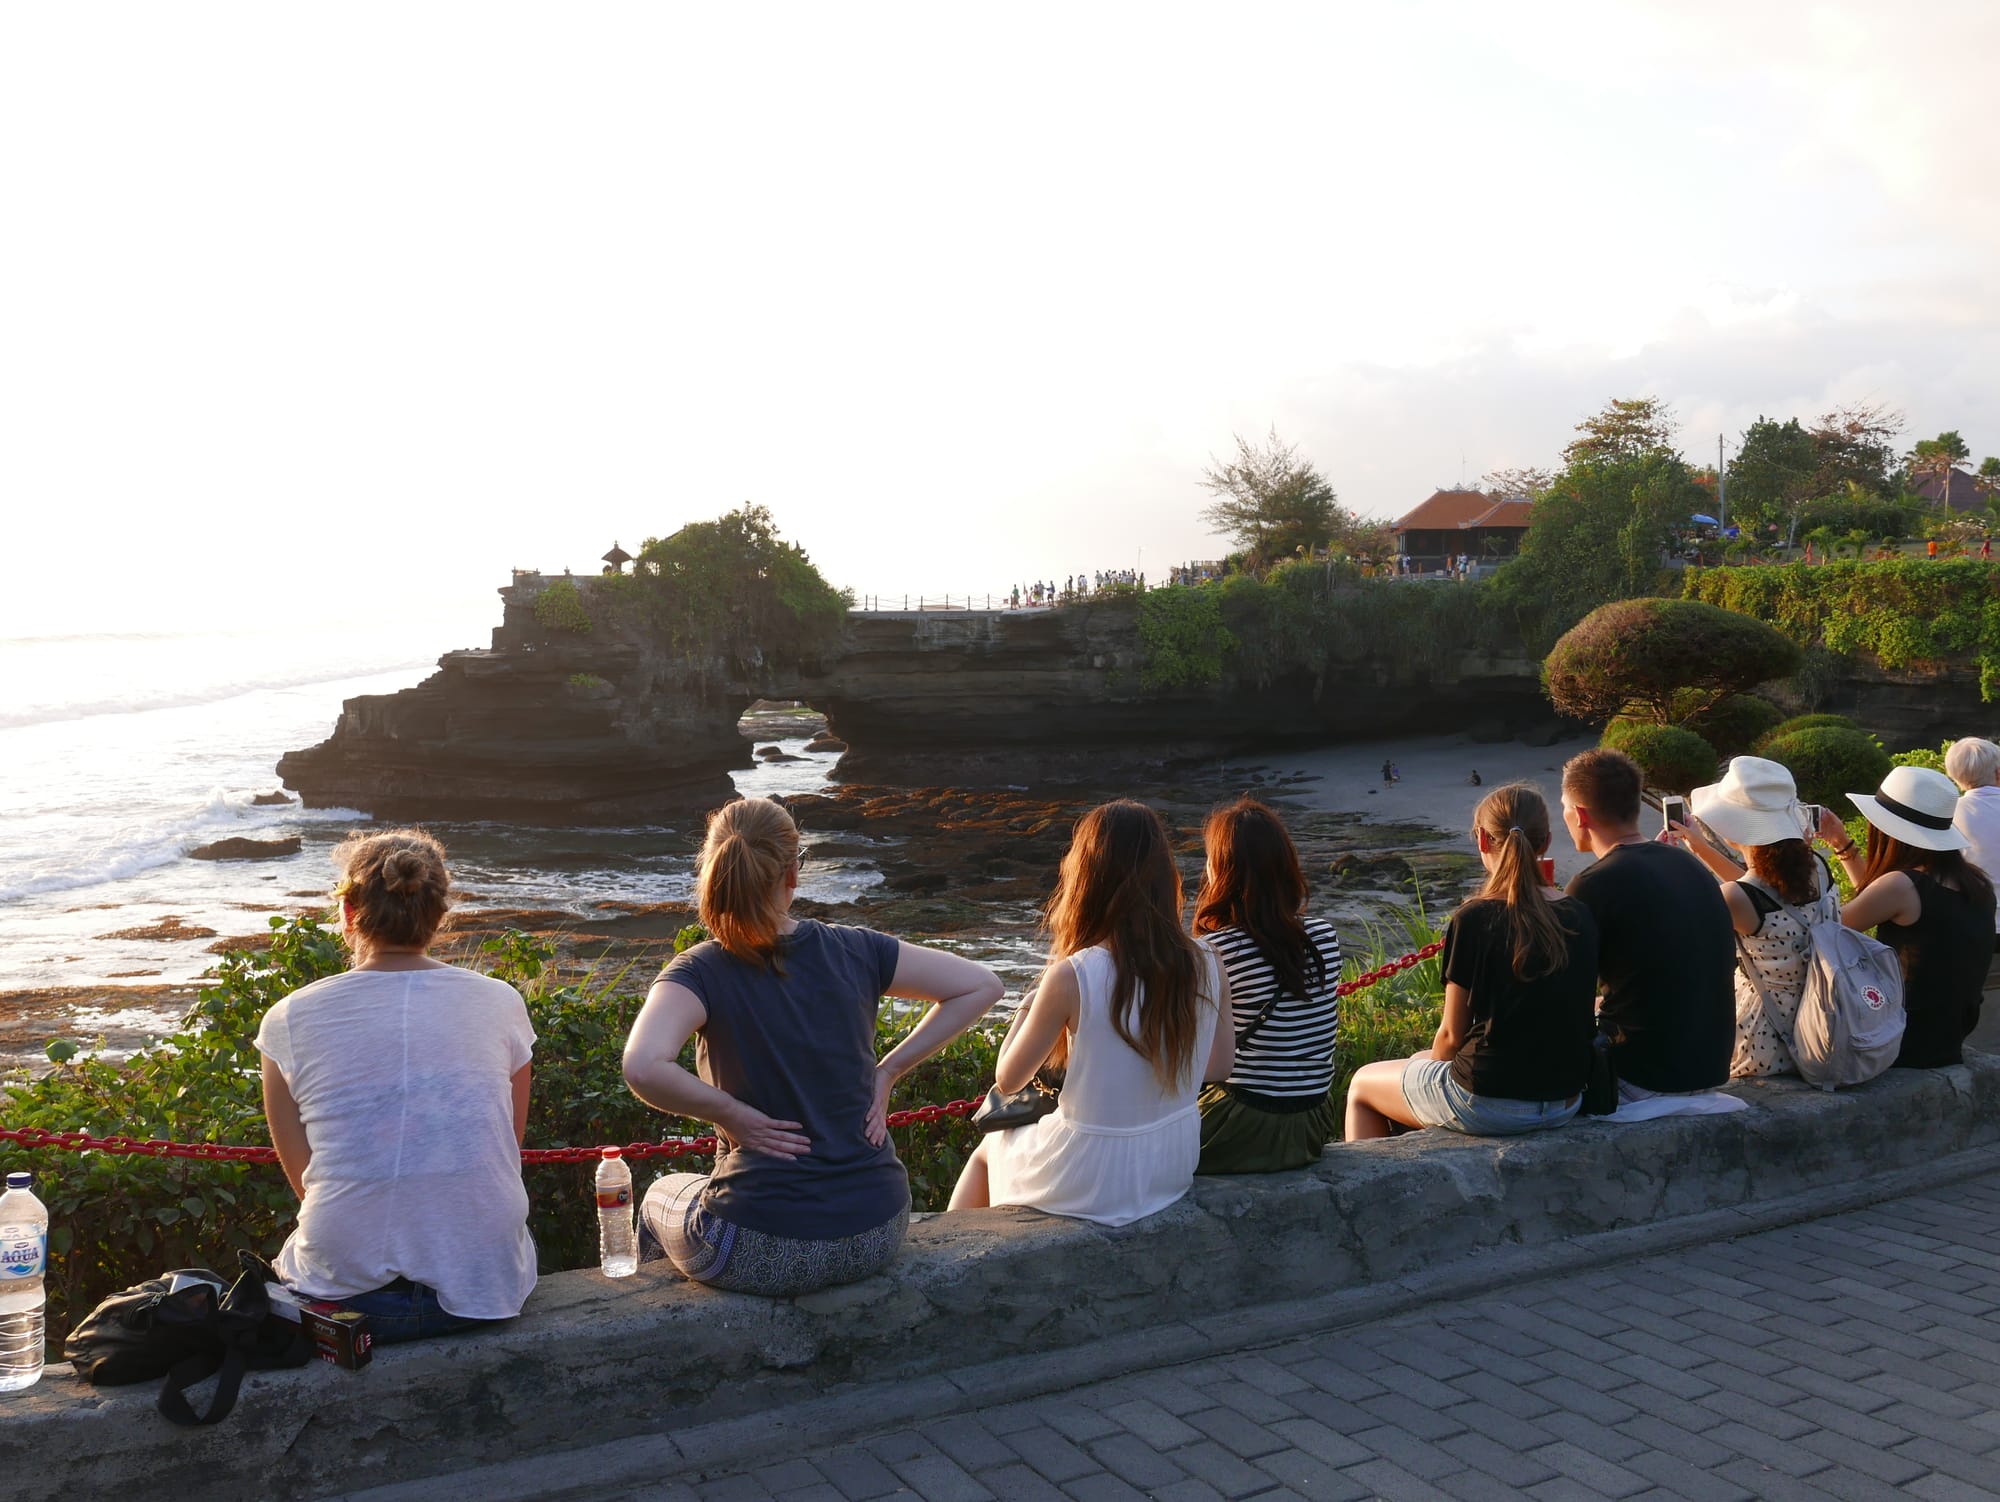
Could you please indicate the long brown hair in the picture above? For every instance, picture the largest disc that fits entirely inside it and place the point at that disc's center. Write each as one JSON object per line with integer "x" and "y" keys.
{"x": 395, "y": 884}
{"x": 1254, "y": 883}
{"x": 1516, "y": 823}
{"x": 1886, "y": 853}
{"x": 1788, "y": 867}
{"x": 1119, "y": 888}
{"x": 739, "y": 883}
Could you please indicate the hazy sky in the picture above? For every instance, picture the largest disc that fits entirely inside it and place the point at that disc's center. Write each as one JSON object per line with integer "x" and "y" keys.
{"x": 346, "y": 310}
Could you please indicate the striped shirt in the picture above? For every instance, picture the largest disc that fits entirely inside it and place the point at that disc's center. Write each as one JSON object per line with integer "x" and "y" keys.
{"x": 1291, "y": 1055}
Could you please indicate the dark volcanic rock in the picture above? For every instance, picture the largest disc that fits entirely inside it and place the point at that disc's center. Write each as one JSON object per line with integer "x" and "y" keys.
{"x": 274, "y": 799}
{"x": 239, "y": 849}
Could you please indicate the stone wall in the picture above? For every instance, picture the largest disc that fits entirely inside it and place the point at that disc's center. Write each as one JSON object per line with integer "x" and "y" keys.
{"x": 593, "y": 1360}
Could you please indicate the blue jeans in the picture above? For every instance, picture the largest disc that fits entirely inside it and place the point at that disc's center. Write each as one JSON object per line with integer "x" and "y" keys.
{"x": 403, "y": 1310}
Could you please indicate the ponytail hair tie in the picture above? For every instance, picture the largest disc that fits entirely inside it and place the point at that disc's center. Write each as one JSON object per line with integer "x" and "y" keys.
{"x": 1515, "y": 829}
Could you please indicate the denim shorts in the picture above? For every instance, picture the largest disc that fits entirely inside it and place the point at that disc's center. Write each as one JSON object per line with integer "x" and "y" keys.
{"x": 403, "y": 1310}
{"x": 1438, "y": 1100}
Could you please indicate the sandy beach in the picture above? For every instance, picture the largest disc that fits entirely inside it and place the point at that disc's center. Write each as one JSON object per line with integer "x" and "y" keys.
{"x": 1435, "y": 785}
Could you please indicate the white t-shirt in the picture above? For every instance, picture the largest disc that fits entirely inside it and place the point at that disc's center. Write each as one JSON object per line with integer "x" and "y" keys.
{"x": 1977, "y": 817}
{"x": 404, "y": 1081}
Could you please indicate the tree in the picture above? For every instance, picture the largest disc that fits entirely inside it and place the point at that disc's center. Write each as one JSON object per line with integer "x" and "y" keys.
{"x": 1271, "y": 502}
{"x": 1773, "y": 474}
{"x": 1937, "y": 458}
{"x": 1627, "y": 428}
{"x": 1662, "y": 661}
{"x": 1989, "y": 467}
{"x": 1854, "y": 445}
{"x": 1517, "y": 483}
{"x": 734, "y": 587}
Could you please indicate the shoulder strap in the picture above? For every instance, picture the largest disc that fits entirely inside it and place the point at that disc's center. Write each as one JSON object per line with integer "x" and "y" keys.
{"x": 1255, "y": 1025}
{"x": 1749, "y": 970}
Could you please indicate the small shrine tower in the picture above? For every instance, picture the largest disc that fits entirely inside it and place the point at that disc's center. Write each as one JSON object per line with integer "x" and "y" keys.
{"x": 616, "y": 559}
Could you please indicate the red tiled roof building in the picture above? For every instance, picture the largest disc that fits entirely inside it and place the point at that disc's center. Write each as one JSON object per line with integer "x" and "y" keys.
{"x": 1462, "y": 521}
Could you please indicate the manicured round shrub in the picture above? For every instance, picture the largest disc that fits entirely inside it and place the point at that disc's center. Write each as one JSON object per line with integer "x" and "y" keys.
{"x": 1805, "y": 722}
{"x": 1661, "y": 659}
{"x": 1735, "y": 724}
{"x": 1828, "y": 763}
{"x": 1672, "y": 757}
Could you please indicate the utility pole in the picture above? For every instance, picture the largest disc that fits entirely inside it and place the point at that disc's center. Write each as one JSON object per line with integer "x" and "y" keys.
{"x": 1721, "y": 488}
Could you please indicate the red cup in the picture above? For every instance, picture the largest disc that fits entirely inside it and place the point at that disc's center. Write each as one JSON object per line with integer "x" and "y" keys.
{"x": 1547, "y": 866}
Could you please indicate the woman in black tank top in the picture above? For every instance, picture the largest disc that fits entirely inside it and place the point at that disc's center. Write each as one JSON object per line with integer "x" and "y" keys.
{"x": 1930, "y": 904}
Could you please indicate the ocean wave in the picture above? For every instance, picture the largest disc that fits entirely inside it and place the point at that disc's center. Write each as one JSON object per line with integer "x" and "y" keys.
{"x": 162, "y": 844}
{"x": 142, "y": 701}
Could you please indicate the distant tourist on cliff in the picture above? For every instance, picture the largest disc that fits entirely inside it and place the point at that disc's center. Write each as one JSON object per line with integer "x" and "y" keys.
{"x": 1930, "y": 904}
{"x": 1273, "y": 1111}
{"x": 1778, "y": 892}
{"x": 1666, "y": 944}
{"x": 397, "y": 1097}
{"x": 807, "y": 1190}
{"x": 1132, "y": 1002}
{"x": 1512, "y": 1052}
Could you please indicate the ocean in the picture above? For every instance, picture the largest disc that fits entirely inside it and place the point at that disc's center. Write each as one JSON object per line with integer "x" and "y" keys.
{"x": 121, "y": 753}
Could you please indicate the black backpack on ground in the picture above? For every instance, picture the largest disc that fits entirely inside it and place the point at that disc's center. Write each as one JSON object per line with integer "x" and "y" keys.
{"x": 187, "y": 1335}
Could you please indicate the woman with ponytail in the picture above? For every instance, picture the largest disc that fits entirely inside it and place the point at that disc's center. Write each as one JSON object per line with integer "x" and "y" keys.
{"x": 1131, "y": 1002}
{"x": 1512, "y": 1052}
{"x": 397, "y": 1096}
{"x": 807, "y": 1190}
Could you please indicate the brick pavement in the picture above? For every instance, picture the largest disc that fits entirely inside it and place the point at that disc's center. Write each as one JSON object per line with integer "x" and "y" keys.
{"x": 1852, "y": 1357}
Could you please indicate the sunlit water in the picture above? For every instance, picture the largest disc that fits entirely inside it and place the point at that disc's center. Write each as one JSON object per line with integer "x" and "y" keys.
{"x": 120, "y": 754}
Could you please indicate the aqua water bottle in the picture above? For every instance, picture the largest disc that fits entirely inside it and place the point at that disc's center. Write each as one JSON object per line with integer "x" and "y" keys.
{"x": 24, "y": 1259}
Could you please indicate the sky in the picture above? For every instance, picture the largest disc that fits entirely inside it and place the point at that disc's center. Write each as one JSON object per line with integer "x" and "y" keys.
{"x": 340, "y": 313}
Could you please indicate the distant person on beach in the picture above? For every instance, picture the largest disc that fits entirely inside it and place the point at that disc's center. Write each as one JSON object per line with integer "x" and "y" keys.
{"x": 1273, "y": 1111}
{"x": 1778, "y": 890}
{"x": 1666, "y": 943}
{"x": 397, "y": 1097}
{"x": 1512, "y": 1052}
{"x": 1474, "y": 779}
{"x": 1130, "y": 1004}
{"x": 1388, "y": 773}
{"x": 807, "y": 1191}
{"x": 1395, "y": 772}
{"x": 1930, "y": 904}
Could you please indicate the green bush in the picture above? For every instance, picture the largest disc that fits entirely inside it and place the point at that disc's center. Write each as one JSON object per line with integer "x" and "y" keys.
{"x": 1398, "y": 1016}
{"x": 1918, "y": 756}
{"x": 1672, "y": 757}
{"x": 1828, "y": 763}
{"x": 1181, "y": 638}
{"x": 560, "y": 608}
{"x": 1806, "y": 722}
{"x": 1663, "y": 660}
{"x": 1735, "y": 724}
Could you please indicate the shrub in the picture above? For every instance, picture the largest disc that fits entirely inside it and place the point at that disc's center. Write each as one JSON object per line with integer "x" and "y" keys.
{"x": 1828, "y": 763}
{"x": 1803, "y": 722}
{"x": 1661, "y": 659}
{"x": 1918, "y": 756}
{"x": 560, "y": 608}
{"x": 1396, "y": 1016}
{"x": 1735, "y": 724}
{"x": 1672, "y": 757}
{"x": 1182, "y": 638}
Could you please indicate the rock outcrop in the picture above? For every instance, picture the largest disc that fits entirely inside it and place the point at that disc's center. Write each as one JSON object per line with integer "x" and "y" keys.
{"x": 963, "y": 697}
{"x": 236, "y": 848}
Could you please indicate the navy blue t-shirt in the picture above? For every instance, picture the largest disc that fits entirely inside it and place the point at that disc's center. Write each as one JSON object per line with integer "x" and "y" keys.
{"x": 799, "y": 1046}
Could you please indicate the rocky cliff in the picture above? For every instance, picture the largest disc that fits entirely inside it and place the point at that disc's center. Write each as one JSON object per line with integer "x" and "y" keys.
{"x": 611, "y": 725}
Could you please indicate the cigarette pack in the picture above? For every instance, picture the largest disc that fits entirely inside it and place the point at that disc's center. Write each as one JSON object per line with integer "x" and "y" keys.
{"x": 339, "y": 1336}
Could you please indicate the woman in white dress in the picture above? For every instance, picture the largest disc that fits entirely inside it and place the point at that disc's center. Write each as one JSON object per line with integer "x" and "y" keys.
{"x": 1131, "y": 1002}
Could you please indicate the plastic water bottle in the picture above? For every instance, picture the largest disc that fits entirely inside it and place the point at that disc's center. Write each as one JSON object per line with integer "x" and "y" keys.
{"x": 24, "y": 1253}
{"x": 617, "y": 1242}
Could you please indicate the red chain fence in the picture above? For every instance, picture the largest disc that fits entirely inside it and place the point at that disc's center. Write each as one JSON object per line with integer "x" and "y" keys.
{"x": 672, "y": 1147}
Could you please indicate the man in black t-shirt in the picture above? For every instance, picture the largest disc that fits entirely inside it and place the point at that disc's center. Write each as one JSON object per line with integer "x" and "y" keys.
{"x": 1666, "y": 945}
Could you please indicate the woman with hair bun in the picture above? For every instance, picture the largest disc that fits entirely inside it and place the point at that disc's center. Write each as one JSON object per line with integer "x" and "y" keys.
{"x": 397, "y": 1096}
{"x": 807, "y": 1190}
{"x": 1132, "y": 1003}
{"x": 1273, "y": 1112}
{"x": 1512, "y": 1052}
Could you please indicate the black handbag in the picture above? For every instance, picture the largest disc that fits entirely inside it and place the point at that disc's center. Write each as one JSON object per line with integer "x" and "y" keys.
{"x": 999, "y": 1112}
{"x": 1600, "y": 1090}
{"x": 186, "y": 1335}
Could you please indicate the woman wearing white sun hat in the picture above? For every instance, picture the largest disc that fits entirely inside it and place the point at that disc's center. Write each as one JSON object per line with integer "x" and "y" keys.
{"x": 1930, "y": 904}
{"x": 1778, "y": 889}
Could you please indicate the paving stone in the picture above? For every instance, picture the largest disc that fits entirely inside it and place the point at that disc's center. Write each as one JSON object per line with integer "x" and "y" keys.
{"x": 733, "y": 1489}
{"x": 1682, "y": 1384}
{"x": 1508, "y": 1397}
{"x": 1417, "y": 1456}
{"x": 1154, "y": 1424}
{"x": 1490, "y": 1423}
{"x": 1491, "y": 1458}
{"x": 939, "y": 1478}
{"x": 1391, "y": 1482}
{"x": 788, "y": 1476}
{"x": 1052, "y": 1455}
{"x": 1016, "y": 1483}
{"x": 1306, "y": 1475}
{"x": 1587, "y": 1434}
{"x": 1606, "y": 1478}
{"x": 1411, "y": 1416}
{"x": 1194, "y": 1489}
{"x": 1980, "y": 1470}
{"x": 1866, "y": 1428}
{"x": 1130, "y": 1458}
{"x": 823, "y": 1491}
{"x": 1857, "y": 1455}
{"x": 1227, "y": 1473}
{"x": 1235, "y": 1433}
{"x": 1742, "y": 1408}
{"x": 968, "y": 1441}
{"x": 1567, "y": 1393}
{"x": 1101, "y": 1487}
{"x": 1680, "y": 1479}
{"x": 1767, "y": 1452}
{"x": 857, "y": 1474}
{"x": 1770, "y": 1485}
{"x": 1661, "y": 1434}
{"x": 1315, "y": 1438}
{"x": 1930, "y": 1399}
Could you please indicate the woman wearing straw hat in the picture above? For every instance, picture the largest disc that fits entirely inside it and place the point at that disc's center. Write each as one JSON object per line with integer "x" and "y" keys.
{"x": 1778, "y": 890}
{"x": 1927, "y": 902}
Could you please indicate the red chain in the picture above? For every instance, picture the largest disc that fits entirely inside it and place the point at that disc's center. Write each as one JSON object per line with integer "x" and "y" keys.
{"x": 673, "y": 1147}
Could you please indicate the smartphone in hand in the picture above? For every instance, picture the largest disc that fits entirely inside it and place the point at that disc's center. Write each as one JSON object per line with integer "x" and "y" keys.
{"x": 1811, "y": 813}
{"x": 1673, "y": 810}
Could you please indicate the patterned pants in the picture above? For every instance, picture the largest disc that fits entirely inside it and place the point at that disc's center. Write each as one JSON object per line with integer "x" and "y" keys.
{"x": 711, "y": 1250}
